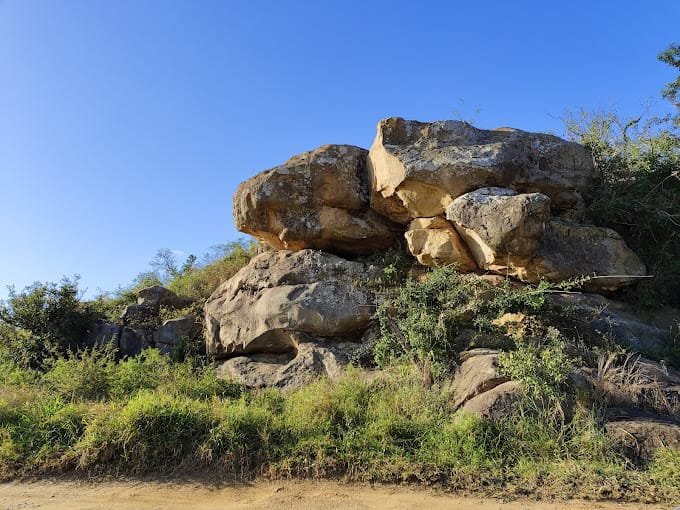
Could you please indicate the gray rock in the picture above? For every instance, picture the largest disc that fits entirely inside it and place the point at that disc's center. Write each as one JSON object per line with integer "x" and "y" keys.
{"x": 318, "y": 199}
{"x": 477, "y": 374}
{"x": 280, "y": 293}
{"x": 497, "y": 403}
{"x": 597, "y": 316}
{"x": 128, "y": 341}
{"x": 502, "y": 228}
{"x": 312, "y": 358}
{"x": 641, "y": 436}
{"x": 173, "y": 330}
{"x": 157, "y": 296}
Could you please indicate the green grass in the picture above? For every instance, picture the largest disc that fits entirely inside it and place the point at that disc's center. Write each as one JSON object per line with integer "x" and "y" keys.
{"x": 151, "y": 416}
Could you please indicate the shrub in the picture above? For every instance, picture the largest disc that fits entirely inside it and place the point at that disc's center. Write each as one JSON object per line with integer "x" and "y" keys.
{"x": 422, "y": 321}
{"x": 639, "y": 196}
{"x": 44, "y": 319}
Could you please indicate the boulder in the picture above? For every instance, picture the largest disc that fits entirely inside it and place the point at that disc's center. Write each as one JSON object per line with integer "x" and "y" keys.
{"x": 172, "y": 331}
{"x": 639, "y": 437}
{"x": 418, "y": 168}
{"x": 497, "y": 403}
{"x": 477, "y": 374}
{"x": 569, "y": 251}
{"x": 514, "y": 234}
{"x": 434, "y": 242}
{"x": 127, "y": 341}
{"x": 280, "y": 293}
{"x": 311, "y": 359}
{"x": 502, "y": 228}
{"x": 318, "y": 199}
{"x": 595, "y": 316}
{"x": 158, "y": 296}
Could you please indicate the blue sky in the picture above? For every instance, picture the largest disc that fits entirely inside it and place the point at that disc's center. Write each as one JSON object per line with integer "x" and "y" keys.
{"x": 126, "y": 126}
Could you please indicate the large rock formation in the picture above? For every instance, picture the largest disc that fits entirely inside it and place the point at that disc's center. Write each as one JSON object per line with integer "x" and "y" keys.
{"x": 419, "y": 168}
{"x": 318, "y": 199}
{"x": 512, "y": 233}
{"x": 281, "y": 293}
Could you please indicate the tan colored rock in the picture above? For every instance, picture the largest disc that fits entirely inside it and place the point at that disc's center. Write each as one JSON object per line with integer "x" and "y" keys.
{"x": 318, "y": 199}
{"x": 478, "y": 373}
{"x": 434, "y": 242}
{"x": 497, "y": 403}
{"x": 502, "y": 228}
{"x": 426, "y": 165}
{"x": 282, "y": 293}
{"x": 514, "y": 234}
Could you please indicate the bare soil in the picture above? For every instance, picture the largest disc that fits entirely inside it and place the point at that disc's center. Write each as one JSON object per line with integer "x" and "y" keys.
{"x": 279, "y": 495}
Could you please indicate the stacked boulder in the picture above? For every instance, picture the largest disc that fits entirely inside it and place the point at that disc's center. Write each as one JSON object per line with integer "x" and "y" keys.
{"x": 500, "y": 201}
{"x": 140, "y": 325}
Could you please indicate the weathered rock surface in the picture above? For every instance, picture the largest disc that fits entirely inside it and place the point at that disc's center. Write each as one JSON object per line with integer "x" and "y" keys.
{"x": 311, "y": 358}
{"x": 514, "y": 234}
{"x": 426, "y": 165}
{"x": 641, "y": 436}
{"x": 595, "y": 316}
{"x": 477, "y": 374}
{"x": 318, "y": 199}
{"x": 570, "y": 250}
{"x": 434, "y": 242}
{"x": 158, "y": 296}
{"x": 497, "y": 403}
{"x": 282, "y": 292}
{"x": 172, "y": 331}
{"x": 502, "y": 228}
{"x": 128, "y": 341}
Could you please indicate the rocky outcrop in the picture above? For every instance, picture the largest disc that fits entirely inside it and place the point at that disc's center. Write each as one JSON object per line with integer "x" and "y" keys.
{"x": 418, "y": 168}
{"x": 139, "y": 326}
{"x": 318, "y": 199}
{"x": 434, "y": 242}
{"x": 514, "y": 234}
{"x": 281, "y": 293}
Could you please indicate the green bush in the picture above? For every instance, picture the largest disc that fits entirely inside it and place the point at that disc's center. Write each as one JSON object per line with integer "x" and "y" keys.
{"x": 43, "y": 320}
{"x": 639, "y": 196}
{"x": 423, "y": 321}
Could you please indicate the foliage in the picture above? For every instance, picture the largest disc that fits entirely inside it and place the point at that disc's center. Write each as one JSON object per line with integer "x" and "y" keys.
{"x": 387, "y": 429}
{"x": 541, "y": 365}
{"x": 424, "y": 321}
{"x": 43, "y": 319}
{"x": 639, "y": 196}
{"x": 671, "y": 56}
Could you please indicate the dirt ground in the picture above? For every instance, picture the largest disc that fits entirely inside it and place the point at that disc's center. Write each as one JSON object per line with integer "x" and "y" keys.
{"x": 69, "y": 495}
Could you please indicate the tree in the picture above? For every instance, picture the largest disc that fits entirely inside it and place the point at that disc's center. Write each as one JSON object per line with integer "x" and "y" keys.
{"x": 671, "y": 56}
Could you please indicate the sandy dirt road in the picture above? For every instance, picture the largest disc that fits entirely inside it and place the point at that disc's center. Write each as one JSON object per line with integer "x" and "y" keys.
{"x": 69, "y": 495}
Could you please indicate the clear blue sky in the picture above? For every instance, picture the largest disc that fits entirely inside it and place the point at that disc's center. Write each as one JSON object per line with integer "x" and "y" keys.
{"x": 125, "y": 126}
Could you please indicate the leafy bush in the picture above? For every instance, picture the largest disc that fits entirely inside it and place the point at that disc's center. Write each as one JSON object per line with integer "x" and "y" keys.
{"x": 423, "y": 321}
{"x": 541, "y": 365}
{"x": 44, "y": 319}
{"x": 639, "y": 196}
